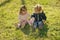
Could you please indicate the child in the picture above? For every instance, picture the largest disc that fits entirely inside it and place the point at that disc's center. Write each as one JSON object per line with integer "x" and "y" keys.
{"x": 38, "y": 18}
{"x": 23, "y": 17}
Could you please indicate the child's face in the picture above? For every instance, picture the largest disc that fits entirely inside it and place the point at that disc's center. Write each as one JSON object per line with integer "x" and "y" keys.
{"x": 37, "y": 9}
{"x": 24, "y": 11}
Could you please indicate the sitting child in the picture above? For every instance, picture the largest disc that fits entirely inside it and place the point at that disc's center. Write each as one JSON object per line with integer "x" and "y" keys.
{"x": 23, "y": 17}
{"x": 38, "y": 18}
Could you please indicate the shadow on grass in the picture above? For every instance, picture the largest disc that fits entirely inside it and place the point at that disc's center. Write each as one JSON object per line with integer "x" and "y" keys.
{"x": 26, "y": 29}
{"x": 43, "y": 32}
{"x": 3, "y": 3}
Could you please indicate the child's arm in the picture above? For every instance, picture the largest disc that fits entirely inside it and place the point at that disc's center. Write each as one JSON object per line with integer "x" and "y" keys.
{"x": 31, "y": 20}
{"x": 44, "y": 21}
{"x": 19, "y": 19}
{"x": 29, "y": 16}
{"x": 43, "y": 17}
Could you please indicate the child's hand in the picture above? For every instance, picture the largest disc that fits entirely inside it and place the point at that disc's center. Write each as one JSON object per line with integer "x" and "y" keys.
{"x": 44, "y": 21}
{"x": 31, "y": 21}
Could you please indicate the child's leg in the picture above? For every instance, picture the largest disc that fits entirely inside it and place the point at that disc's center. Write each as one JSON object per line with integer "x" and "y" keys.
{"x": 34, "y": 26}
{"x": 23, "y": 24}
{"x": 41, "y": 24}
{"x": 18, "y": 25}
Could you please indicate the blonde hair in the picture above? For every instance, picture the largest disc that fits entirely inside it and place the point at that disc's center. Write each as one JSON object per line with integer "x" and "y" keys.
{"x": 38, "y": 7}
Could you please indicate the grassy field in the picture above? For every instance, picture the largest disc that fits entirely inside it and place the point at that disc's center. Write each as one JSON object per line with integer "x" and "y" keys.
{"x": 9, "y": 10}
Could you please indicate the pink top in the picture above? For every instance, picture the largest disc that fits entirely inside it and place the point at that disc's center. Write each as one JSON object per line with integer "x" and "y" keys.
{"x": 23, "y": 17}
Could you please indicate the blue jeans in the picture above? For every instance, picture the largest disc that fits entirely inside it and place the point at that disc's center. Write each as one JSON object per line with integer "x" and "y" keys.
{"x": 38, "y": 24}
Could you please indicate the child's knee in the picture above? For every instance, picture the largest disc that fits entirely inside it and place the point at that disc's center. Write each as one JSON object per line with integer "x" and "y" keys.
{"x": 40, "y": 27}
{"x": 34, "y": 25}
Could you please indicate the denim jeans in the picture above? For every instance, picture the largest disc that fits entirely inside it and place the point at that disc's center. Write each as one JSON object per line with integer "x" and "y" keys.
{"x": 38, "y": 24}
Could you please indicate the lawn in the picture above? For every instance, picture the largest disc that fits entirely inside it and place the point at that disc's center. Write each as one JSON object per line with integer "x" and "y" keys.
{"x": 9, "y": 10}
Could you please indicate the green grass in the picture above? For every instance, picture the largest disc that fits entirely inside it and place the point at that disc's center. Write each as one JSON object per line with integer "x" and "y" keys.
{"x": 9, "y": 16}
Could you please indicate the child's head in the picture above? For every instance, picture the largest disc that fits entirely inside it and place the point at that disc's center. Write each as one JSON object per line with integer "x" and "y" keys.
{"x": 23, "y": 10}
{"x": 38, "y": 8}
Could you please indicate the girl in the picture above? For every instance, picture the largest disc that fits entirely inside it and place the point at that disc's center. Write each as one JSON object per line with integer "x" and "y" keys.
{"x": 38, "y": 18}
{"x": 23, "y": 17}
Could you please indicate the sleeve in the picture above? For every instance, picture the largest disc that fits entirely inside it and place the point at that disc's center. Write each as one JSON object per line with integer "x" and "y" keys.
{"x": 43, "y": 16}
{"x": 19, "y": 18}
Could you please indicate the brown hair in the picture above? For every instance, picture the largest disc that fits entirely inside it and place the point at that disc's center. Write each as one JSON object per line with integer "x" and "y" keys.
{"x": 22, "y": 7}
